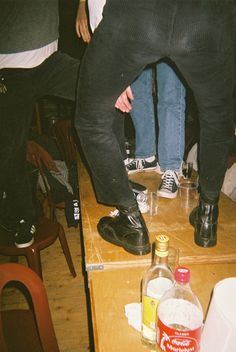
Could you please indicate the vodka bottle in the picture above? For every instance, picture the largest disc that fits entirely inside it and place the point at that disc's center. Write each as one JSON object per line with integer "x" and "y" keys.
{"x": 157, "y": 279}
{"x": 180, "y": 317}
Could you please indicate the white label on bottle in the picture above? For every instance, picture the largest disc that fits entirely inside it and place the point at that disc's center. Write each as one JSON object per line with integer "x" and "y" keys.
{"x": 157, "y": 287}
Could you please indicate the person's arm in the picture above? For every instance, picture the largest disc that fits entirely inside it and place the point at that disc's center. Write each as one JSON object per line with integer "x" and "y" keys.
{"x": 81, "y": 22}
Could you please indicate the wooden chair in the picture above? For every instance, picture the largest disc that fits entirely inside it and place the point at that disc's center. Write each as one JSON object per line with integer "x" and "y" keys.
{"x": 23, "y": 330}
{"x": 63, "y": 133}
{"x": 47, "y": 231}
{"x": 64, "y": 136}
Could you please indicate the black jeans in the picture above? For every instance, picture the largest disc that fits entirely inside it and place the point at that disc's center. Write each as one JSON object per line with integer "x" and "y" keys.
{"x": 198, "y": 36}
{"x": 55, "y": 76}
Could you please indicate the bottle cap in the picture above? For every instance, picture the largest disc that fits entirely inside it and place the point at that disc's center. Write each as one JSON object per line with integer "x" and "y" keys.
{"x": 162, "y": 245}
{"x": 182, "y": 274}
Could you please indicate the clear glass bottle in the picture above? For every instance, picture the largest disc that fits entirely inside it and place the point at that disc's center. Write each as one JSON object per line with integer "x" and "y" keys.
{"x": 179, "y": 317}
{"x": 157, "y": 279}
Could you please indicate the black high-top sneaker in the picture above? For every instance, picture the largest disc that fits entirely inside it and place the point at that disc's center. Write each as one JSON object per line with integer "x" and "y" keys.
{"x": 127, "y": 229}
{"x": 204, "y": 220}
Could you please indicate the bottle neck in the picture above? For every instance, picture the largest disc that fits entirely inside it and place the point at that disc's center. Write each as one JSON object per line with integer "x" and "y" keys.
{"x": 184, "y": 285}
{"x": 160, "y": 260}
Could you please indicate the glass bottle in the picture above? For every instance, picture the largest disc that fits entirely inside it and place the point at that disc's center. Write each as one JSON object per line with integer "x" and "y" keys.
{"x": 179, "y": 317}
{"x": 157, "y": 279}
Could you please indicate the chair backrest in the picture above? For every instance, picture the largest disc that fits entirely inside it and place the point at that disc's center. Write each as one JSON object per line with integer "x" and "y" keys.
{"x": 11, "y": 272}
{"x": 40, "y": 158}
{"x": 63, "y": 133}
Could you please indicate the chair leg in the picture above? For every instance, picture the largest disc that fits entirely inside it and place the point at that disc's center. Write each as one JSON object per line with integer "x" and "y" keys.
{"x": 66, "y": 251}
{"x": 14, "y": 259}
{"x": 34, "y": 261}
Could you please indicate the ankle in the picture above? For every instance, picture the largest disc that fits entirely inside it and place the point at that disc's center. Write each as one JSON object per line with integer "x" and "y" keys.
{"x": 128, "y": 210}
{"x": 209, "y": 200}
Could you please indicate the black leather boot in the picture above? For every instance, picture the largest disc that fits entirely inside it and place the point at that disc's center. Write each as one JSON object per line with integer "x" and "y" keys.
{"x": 127, "y": 229}
{"x": 204, "y": 220}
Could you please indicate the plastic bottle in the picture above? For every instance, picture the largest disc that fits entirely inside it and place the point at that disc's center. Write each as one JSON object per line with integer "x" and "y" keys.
{"x": 179, "y": 317}
{"x": 157, "y": 279}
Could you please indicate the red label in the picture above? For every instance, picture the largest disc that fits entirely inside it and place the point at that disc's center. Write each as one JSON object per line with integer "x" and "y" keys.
{"x": 172, "y": 340}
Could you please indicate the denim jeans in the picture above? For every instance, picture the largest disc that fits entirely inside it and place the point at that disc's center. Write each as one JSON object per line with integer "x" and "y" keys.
{"x": 143, "y": 116}
{"x": 55, "y": 76}
{"x": 198, "y": 37}
{"x": 171, "y": 117}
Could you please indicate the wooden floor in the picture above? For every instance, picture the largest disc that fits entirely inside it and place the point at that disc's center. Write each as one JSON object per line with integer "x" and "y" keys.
{"x": 66, "y": 294}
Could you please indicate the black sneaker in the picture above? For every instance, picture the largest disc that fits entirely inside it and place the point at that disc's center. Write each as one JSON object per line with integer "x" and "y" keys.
{"x": 24, "y": 235}
{"x": 137, "y": 187}
{"x": 127, "y": 229}
{"x": 169, "y": 185}
{"x": 137, "y": 165}
{"x": 128, "y": 160}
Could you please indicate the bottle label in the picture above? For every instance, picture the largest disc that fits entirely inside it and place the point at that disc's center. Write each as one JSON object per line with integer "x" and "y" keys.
{"x": 149, "y": 317}
{"x": 172, "y": 340}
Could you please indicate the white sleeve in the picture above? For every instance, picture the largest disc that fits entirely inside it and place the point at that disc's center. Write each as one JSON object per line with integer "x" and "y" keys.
{"x": 95, "y": 12}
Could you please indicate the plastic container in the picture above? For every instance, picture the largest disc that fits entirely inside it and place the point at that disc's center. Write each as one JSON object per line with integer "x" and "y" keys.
{"x": 179, "y": 317}
{"x": 219, "y": 331}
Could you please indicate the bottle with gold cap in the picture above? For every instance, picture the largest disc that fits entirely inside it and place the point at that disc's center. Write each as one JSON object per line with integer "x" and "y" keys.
{"x": 156, "y": 281}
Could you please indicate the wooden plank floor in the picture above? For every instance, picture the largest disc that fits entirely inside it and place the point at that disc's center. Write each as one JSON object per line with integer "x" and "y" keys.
{"x": 66, "y": 294}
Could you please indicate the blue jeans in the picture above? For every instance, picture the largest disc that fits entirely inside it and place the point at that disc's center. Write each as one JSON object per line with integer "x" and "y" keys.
{"x": 122, "y": 47}
{"x": 171, "y": 117}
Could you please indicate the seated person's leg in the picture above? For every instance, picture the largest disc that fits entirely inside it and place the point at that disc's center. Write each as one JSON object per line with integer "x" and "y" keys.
{"x": 17, "y": 210}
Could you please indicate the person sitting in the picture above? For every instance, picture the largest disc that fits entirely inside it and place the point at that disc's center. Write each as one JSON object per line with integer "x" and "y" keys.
{"x": 30, "y": 67}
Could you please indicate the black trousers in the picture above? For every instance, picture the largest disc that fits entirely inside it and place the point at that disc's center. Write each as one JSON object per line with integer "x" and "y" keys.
{"x": 199, "y": 37}
{"x": 55, "y": 76}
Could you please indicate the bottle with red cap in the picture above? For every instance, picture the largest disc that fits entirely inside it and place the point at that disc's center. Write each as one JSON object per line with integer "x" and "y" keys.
{"x": 179, "y": 317}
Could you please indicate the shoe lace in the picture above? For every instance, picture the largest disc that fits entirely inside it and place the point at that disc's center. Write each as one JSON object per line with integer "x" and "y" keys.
{"x": 137, "y": 163}
{"x": 26, "y": 227}
{"x": 114, "y": 213}
{"x": 127, "y": 161}
{"x": 168, "y": 179}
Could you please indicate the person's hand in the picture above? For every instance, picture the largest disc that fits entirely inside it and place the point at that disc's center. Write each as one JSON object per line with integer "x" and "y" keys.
{"x": 81, "y": 23}
{"x": 124, "y": 101}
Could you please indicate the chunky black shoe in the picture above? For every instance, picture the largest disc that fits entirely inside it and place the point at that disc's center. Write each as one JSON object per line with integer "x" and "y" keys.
{"x": 127, "y": 229}
{"x": 204, "y": 220}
